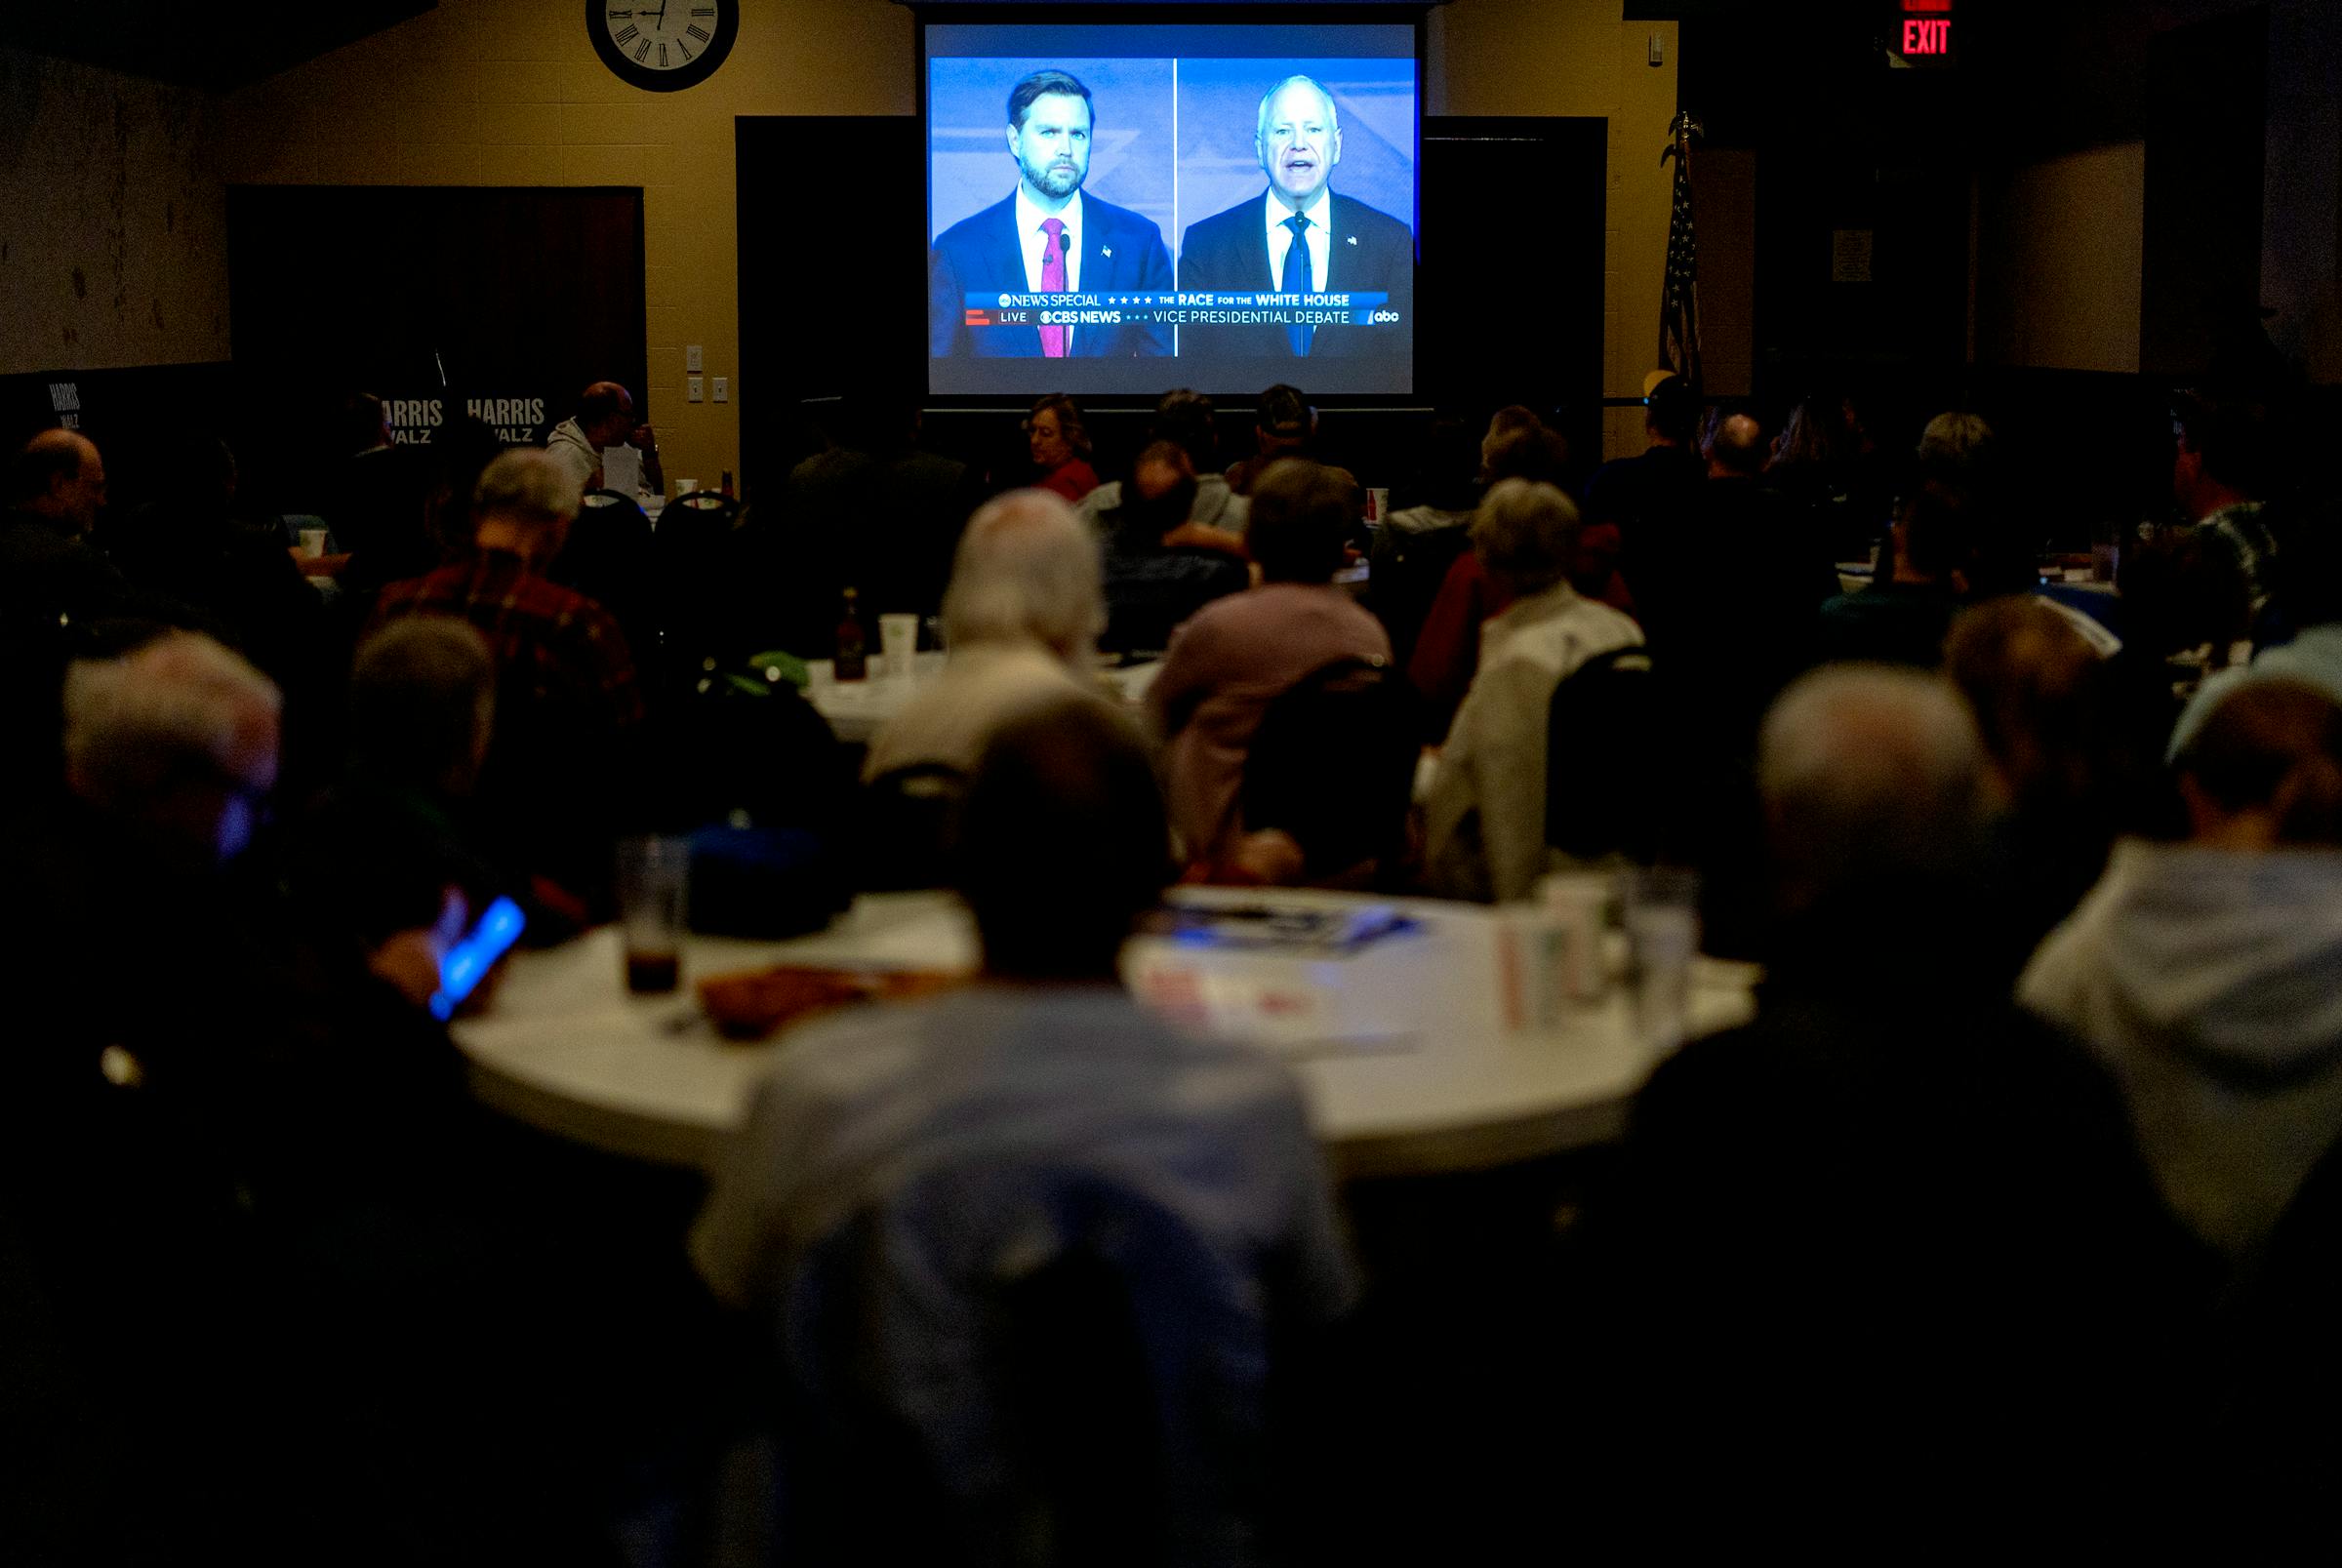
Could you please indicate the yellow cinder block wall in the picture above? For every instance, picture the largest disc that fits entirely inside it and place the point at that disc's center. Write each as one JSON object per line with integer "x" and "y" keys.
{"x": 509, "y": 91}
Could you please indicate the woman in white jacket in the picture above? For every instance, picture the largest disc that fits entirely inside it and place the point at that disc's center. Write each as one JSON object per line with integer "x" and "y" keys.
{"x": 2207, "y": 974}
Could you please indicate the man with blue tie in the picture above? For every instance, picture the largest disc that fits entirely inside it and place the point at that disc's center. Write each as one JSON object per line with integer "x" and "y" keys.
{"x": 1298, "y": 237}
{"x": 1048, "y": 236}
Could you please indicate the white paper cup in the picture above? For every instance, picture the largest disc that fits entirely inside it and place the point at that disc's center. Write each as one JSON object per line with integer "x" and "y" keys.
{"x": 312, "y": 541}
{"x": 1579, "y": 903}
{"x": 899, "y": 641}
{"x": 1378, "y": 506}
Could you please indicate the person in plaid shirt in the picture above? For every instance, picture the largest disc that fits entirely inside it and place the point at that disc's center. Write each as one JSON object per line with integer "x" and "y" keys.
{"x": 568, "y": 705}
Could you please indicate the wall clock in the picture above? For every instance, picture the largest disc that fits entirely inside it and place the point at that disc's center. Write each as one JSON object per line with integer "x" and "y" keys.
{"x": 664, "y": 47}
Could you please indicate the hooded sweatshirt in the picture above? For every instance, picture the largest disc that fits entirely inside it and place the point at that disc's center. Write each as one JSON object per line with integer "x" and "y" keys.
{"x": 2211, "y": 983}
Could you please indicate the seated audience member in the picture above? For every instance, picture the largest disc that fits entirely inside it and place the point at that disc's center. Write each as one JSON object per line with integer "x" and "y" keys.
{"x": 2307, "y": 580}
{"x": 1283, "y": 425}
{"x": 1060, "y": 447}
{"x": 138, "y": 987}
{"x": 921, "y": 1189}
{"x": 1184, "y": 420}
{"x": 605, "y": 417}
{"x": 1160, "y": 567}
{"x": 558, "y": 777}
{"x": 2218, "y": 469}
{"x": 1419, "y": 542}
{"x": 872, "y": 511}
{"x": 1750, "y": 576}
{"x": 1802, "y": 466}
{"x": 380, "y": 499}
{"x": 1020, "y": 619}
{"x": 55, "y": 583}
{"x": 2070, "y": 745}
{"x": 1448, "y": 647}
{"x": 1903, "y": 615}
{"x": 53, "y": 573}
{"x": 1651, "y": 496}
{"x": 460, "y": 453}
{"x": 392, "y": 837}
{"x": 197, "y": 545}
{"x": 1484, "y": 820}
{"x": 2202, "y": 972}
{"x": 1237, "y": 654}
{"x": 1892, "y": 1232}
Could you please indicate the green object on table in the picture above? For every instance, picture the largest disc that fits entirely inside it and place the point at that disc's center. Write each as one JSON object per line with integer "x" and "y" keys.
{"x": 772, "y": 668}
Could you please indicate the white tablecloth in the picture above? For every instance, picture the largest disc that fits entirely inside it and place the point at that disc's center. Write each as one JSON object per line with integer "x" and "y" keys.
{"x": 1406, "y": 1059}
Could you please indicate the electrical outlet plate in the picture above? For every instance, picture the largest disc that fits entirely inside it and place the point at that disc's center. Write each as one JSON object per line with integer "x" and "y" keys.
{"x": 691, "y": 359}
{"x": 693, "y": 389}
{"x": 723, "y": 389}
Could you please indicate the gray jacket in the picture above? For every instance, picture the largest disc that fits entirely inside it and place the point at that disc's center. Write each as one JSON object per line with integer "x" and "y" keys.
{"x": 2210, "y": 982}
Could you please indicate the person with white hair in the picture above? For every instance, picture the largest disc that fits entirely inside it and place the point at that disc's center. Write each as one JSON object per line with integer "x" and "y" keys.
{"x": 1894, "y": 1231}
{"x": 1300, "y": 237}
{"x": 1021, "y": 617}
{"x": 174, "y": 746}
{"x": 1484, "y": 820}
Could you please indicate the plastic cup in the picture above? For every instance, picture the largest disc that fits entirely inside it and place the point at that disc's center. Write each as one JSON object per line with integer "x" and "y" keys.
{"x": 899, "y": 641}
{"x": 654, "y": 895}
{"x": 1663, "y": 937}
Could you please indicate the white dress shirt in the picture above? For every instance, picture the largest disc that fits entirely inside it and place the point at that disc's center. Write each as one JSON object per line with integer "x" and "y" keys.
{"x": 1029, "y": 218}
{"x": 1319, "y": 213}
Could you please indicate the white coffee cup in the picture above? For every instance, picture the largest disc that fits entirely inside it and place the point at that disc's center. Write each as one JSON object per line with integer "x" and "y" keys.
{"x": 899, "y": 641}
{"x": 312, "y": 543}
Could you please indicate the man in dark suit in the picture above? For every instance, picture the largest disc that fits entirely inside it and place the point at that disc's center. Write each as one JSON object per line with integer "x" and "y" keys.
{"x": 1298, "y": 237}
{"x": 1047, "y": 236}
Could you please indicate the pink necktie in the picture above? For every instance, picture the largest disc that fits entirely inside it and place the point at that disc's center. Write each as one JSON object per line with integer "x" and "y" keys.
{"x": 1053, "y": 281}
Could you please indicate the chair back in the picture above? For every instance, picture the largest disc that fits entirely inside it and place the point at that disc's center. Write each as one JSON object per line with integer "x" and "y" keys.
{"x": 909, "y": 827}
{"x": 692, "y": 555}
{"x": 1333, "y": 764}
{"x": 1610, "y": 747}
{"x": 1408, "y": 568}
{"x": 608, "y": 560}
{"x": 1021, "y": 1358}
{"x": 699, "y": 505}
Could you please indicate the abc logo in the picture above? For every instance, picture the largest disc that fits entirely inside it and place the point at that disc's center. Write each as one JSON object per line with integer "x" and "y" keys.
{"x": 1386, "y": 315}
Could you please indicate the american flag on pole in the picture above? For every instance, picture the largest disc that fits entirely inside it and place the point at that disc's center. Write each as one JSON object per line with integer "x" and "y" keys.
{"x": 1679, "y": 303}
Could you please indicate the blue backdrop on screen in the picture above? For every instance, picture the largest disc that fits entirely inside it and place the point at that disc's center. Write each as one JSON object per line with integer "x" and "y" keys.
{"x": 967, "y": 143}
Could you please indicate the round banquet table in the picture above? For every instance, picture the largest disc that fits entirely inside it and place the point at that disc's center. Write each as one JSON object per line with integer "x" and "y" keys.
{"x": 1402, "y": 1047}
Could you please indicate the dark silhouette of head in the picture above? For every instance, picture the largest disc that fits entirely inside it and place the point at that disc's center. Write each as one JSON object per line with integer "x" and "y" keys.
{"x": 1068, "y": 788}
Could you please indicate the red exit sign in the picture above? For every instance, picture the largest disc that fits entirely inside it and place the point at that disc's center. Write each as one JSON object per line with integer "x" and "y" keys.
{"x": 1926, "y": 37}
{"x": 1924, "y": 32}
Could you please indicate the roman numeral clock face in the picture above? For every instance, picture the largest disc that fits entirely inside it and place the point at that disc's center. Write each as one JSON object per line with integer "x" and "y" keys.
{"x": 663, "y": 45}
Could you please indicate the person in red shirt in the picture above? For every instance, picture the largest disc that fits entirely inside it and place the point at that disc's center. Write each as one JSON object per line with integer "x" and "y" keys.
{"x": 1061, "y": 447}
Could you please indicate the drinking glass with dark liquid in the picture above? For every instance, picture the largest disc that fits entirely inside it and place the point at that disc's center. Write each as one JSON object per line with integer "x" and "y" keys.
{"x": 654, "y": 883}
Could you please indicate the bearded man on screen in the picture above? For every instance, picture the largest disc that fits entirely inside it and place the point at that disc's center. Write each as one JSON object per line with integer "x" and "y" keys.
{"x": 1298, "y": 237}
{"x": 1047, "y": 236}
